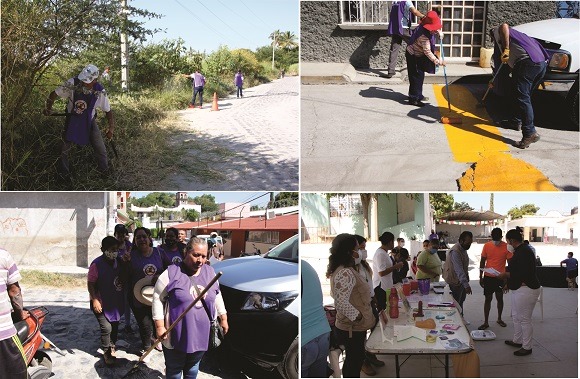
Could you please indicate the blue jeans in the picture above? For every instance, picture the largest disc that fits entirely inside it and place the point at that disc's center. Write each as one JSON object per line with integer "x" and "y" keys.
{"x": 459, "y": 294}
{"x": 314, "y": 355}
{"x": 527, "y": 76}
{"x": 239, "y": 93}
{"x": 177, "y": 362}
{"x": 197, "y": 90}
{"x": 416, "y": 77}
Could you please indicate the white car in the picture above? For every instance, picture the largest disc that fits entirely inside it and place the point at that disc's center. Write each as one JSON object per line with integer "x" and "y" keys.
{"x": 261, "y": 297}
{"x": 561, "y": 38}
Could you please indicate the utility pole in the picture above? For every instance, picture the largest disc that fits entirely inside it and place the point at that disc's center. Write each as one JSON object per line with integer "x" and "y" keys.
{"x": 124, "y": 54}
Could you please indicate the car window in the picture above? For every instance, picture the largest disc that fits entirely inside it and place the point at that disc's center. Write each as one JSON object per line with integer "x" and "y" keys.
{"x": 287, "y": 250}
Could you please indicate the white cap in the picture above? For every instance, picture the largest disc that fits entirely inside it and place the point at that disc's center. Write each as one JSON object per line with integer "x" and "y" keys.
{"x": 89, "y": 73}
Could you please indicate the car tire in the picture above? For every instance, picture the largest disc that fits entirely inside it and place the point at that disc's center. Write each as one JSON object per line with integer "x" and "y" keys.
{"x": 288, "y": 368}
{"x": 572, "y": 103}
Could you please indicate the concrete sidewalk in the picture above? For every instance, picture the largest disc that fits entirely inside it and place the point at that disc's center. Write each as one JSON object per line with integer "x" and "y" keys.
{"x": 345, "y": 73}
{"x": 555, "y": 342}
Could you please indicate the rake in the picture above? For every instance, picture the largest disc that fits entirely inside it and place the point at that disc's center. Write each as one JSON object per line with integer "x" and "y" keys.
{"x": 137, "y": 371}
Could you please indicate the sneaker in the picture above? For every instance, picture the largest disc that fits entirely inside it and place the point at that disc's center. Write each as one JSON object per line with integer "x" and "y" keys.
{"x": 521, "y": 352}
{"x": 368, "y": 369}
{"x": 191, "y": 106}
{"x": 372, "y": 359}
{"x": 109, "y": 358}
{"x": 417, "y": 103}
{"x": 527, "y": 141}
{"x": 425, "y": 98}
{"x": 512, "y": 343}
{"x": 199, "y": 107}
{"x": 389, "y": 76}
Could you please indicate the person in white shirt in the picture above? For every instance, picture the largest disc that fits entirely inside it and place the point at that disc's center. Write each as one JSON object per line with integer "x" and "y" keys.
{"x": 383, "y": 268}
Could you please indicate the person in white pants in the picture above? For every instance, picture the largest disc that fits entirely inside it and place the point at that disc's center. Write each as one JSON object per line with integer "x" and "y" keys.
{"x": 525, "y": 286}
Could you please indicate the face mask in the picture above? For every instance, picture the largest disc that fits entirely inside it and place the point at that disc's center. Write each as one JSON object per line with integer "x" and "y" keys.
{"x": 363, "y": 254}
{"x": 510, "y": 248}
{"x": 111, "y": 254}
{"x": 433, "y": 251}
{"x": 357, "y": 260}
{"x": 496, "y": 243}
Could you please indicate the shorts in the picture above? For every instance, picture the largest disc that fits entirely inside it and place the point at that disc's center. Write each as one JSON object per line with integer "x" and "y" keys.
{"x": 492, "y": 285}
{"x": 572, "y": 274}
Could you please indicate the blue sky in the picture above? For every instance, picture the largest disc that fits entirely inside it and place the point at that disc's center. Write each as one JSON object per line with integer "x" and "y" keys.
{"x": 207, "y": 24}
{"x": 504, "y": 201}
{"x": 223, "y": 197}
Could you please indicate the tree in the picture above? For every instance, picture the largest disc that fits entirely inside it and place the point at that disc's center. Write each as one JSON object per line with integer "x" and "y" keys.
{"x": 519, "y": 212}
{"x": 163, "y": 199}
{"x": 275, "y": 37}
{"x": 191, "y": 215}
{"x": 285, "y": 199}
{"x": 207, "y": 203}
{"x": 442, "y": 203}
{"x": 462, "y": 206}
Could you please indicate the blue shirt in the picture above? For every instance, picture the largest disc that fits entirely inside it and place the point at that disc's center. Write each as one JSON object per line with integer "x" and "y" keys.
{"x": 571, "y": 264}
{"x": 405, "y": 20}
{"x": 313, "y": 318}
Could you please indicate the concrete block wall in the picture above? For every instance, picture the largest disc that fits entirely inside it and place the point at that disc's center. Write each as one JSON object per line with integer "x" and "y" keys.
{"x": 323, "y": 41}
{"x": 51, "y": 228}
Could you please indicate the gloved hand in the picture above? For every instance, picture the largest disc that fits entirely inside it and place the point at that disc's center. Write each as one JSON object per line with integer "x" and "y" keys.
{"x": 440, "y": 33}
{"x": 505, "y": 56}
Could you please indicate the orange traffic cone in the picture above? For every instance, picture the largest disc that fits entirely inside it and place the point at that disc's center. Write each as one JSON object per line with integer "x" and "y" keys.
{"x": 214, "y": 106}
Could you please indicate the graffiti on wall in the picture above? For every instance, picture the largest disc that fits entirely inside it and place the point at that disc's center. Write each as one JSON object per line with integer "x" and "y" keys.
{"x": 14, "y": 227}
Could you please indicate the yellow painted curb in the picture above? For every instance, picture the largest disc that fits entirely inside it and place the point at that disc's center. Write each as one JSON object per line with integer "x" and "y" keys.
{"x": 502, "y": 172}
{"x": 477, "y": 140}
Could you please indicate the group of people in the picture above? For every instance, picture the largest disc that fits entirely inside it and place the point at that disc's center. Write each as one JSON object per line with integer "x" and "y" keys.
{"x": 524, "y": 57}
{"x": 360, "y": 291}
{"x": 156, "y": 284}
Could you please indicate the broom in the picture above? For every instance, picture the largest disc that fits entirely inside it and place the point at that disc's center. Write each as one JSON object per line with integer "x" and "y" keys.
{"x": 447, "y": 120}
{"x": 137, "y": 372}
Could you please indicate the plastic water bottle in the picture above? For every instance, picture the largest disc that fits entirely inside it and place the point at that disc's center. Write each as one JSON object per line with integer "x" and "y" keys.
{"x": 393, "y": 303}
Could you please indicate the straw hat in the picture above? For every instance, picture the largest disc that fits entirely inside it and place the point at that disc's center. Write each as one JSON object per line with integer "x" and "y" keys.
{"x": 143, "y": 290}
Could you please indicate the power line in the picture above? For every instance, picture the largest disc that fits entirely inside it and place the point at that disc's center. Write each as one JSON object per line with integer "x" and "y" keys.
{"x": 249, "y": 19}
{"x": 225, "y": 23}
{"x": 194, "y": 15}
{"x": 255, "y": 15}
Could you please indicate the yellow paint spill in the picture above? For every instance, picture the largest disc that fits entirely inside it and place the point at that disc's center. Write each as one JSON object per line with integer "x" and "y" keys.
{"x": 476, "y": 140}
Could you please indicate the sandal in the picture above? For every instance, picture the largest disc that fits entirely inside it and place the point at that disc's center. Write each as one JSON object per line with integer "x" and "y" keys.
{"x": 501, "y": 323}
{"x": 483, "y": 326}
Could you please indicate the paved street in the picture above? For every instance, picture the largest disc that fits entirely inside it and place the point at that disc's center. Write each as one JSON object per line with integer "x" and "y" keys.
{"x": 74, "y": 329}
{"x": 367, "y": 137}
{"x": 250, "y": 144}
{"x": 555, "y": 340}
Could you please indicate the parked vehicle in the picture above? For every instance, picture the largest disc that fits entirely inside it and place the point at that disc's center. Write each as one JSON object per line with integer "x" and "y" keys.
{"x": 560, "y": 38}
{"x": 28, "y": 331}
{"x": 261, "y": 297}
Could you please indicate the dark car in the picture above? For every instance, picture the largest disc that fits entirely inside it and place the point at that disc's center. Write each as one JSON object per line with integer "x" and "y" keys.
{"x": 261, "y": 297}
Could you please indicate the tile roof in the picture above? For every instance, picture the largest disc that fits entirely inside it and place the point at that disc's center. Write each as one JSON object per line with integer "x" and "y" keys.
{"x": 283, "y": 222}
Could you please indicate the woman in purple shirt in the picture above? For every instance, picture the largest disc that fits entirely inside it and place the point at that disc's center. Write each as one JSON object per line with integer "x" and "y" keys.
{"x": 106, "y": 293}
{"x": 144, "y": 260}
{"x": 186, "y": 344}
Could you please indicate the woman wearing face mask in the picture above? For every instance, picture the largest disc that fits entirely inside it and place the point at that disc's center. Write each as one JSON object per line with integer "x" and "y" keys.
{"x": 354, "y": 315}
{"x": 428, "y": 262}
{"x": 525, "y": 289}
{"x": 365, "y": 271}
{"x": 172, "y": 247}
{"x": 106, "y": 293}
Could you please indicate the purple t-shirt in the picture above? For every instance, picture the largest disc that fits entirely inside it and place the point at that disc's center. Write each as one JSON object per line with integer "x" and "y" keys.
{"x": 191, "y": 334}
{"x": 145, "y": 266}
{"x": 109, "y": 288}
